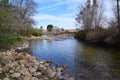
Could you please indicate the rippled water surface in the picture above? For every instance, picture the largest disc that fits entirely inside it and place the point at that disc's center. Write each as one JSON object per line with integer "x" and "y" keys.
{"x": 85, "y": 62}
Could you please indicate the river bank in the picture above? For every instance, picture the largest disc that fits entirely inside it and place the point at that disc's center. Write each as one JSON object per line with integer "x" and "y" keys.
{"x": 17, "y": 64}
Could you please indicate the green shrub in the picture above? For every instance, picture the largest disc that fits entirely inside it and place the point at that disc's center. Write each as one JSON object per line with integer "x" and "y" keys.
{"x": 36, "y": 32}
{"x": 81, "y": 35}
{"x": 11, "y": 38}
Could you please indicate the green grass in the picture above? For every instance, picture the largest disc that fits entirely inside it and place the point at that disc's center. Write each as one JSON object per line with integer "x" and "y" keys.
{"x": 11, "y": 39}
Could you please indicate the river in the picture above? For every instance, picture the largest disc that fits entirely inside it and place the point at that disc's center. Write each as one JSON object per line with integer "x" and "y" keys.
{"x": 86, "y": 62}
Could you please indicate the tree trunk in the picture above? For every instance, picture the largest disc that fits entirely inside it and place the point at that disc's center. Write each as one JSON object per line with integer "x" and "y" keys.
{"x": 118, "y": 18}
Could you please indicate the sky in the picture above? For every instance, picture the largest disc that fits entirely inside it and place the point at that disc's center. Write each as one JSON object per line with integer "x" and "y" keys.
{"x": 61, "y": 13}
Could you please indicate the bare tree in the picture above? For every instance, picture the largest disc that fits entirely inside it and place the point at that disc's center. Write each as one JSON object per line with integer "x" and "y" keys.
{"x": 99, "y": 18}
{"x": 24, "y": 10}
{"x": 118, "y": 16}
{"x": 91, "y": 15}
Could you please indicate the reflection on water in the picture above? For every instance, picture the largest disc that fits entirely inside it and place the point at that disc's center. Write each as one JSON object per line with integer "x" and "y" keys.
{"x": 85, "y": 62}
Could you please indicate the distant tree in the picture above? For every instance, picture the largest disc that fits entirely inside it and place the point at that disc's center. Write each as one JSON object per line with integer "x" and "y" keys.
{"x": 50, "y": 27}
{"x": 41, "y": 27}
{"x": 62, "y": 29}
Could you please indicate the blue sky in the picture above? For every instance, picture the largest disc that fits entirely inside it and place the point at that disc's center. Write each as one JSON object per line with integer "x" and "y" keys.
{"x": 61, "y": 13}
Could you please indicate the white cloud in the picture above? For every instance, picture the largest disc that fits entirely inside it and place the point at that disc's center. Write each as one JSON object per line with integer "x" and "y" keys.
{"x": 60, "y": 2}
{"x": 65, "y": 20}
{"x": 45, "y": 19}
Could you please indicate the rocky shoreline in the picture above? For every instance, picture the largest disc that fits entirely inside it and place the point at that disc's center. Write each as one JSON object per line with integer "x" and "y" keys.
{"x": 23, "y": 66}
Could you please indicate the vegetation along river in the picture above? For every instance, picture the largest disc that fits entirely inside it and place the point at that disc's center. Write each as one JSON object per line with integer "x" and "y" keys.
{"x": 85, "y": 62}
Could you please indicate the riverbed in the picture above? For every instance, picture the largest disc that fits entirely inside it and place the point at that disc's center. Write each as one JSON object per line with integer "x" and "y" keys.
{"x": 86, "y": 62}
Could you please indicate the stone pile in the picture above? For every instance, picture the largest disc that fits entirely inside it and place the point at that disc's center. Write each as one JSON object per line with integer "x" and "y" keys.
{"x": 23, "y": 66}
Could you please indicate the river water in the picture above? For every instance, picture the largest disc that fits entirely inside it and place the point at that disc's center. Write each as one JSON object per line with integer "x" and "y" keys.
{"x": 86, "y": 62}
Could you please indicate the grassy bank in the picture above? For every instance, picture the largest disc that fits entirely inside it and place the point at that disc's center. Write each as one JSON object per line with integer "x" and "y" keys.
{"x": 100, "y": 36}
{"x": 11, "y": 38}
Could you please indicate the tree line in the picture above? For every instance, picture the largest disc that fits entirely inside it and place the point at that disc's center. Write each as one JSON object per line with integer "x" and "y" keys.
{"x": 91, "y": 20}
{"x": 16, "y": 18}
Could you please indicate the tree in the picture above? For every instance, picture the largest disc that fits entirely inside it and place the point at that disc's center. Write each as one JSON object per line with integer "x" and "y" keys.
{"x": 118, "y": 16}
{"x": 49, "y": 27}
{"x": 16, "y": 16}
{"x": 90, "y": 15}
{"x": 6, "y": 18}
{"x": 23, "y": 12}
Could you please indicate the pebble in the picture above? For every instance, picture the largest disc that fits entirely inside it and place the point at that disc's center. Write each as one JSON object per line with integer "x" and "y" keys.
{"x": 34, "y": 78}
{"x": 32, "y": 70}
{"x": 1, "y": 70}
{"x": 37, "y": 74}
{"x": 6, "y": 79}
{"x": 26, "y": 78}
{"x": 15, "y": 75}
{"x": 11, "y": 71}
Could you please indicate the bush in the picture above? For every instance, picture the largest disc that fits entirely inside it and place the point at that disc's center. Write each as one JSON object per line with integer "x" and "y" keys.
{"x": 96, "y": 35}
{"x": 81, "y": 35}
{"x": 11, "y": 38}
{"x": 36, "y": 32}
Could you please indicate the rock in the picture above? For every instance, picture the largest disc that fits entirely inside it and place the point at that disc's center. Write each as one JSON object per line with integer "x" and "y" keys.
{"x": 47, "y": 63}
{"x": 17, "y": 68}
{"x": 71, "y": 79}
{"x": 34, "y": 78}
{"x": 11, "y": 71}
{"x": 21, "y": 62}
{"x": 50, "y": 73}
{"x": 1, "y": 69}
{"x": 15, "y": 75}
{"x": 29, "y": 65}
{"x": 42, "y": 62}
{"x": 25, "y": 72}
{"x": 27, "y": 56}
{"x": 59, "y": 69}
{"x": 32, "y": 70}
{"x": 42, "y": 67}
{"x": 37, "y": 74}
{"x": 59, "y": 75}
{"x": 19, "y": 56}
{"x": 23, "y": 66}
{"x": 36, "y": 66}
{"x": 7, "y": 58}
{"x": 26, "y": 78}
{"x": 66, "y": 76}
{"x": 6, "y": 68}
{"x": 65, "y": 66}
{"x": 6, "y": 79}
{"x": 31, "y": 58}
{"x": 13, "y": 50}
{"x": 45, "y": 78}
